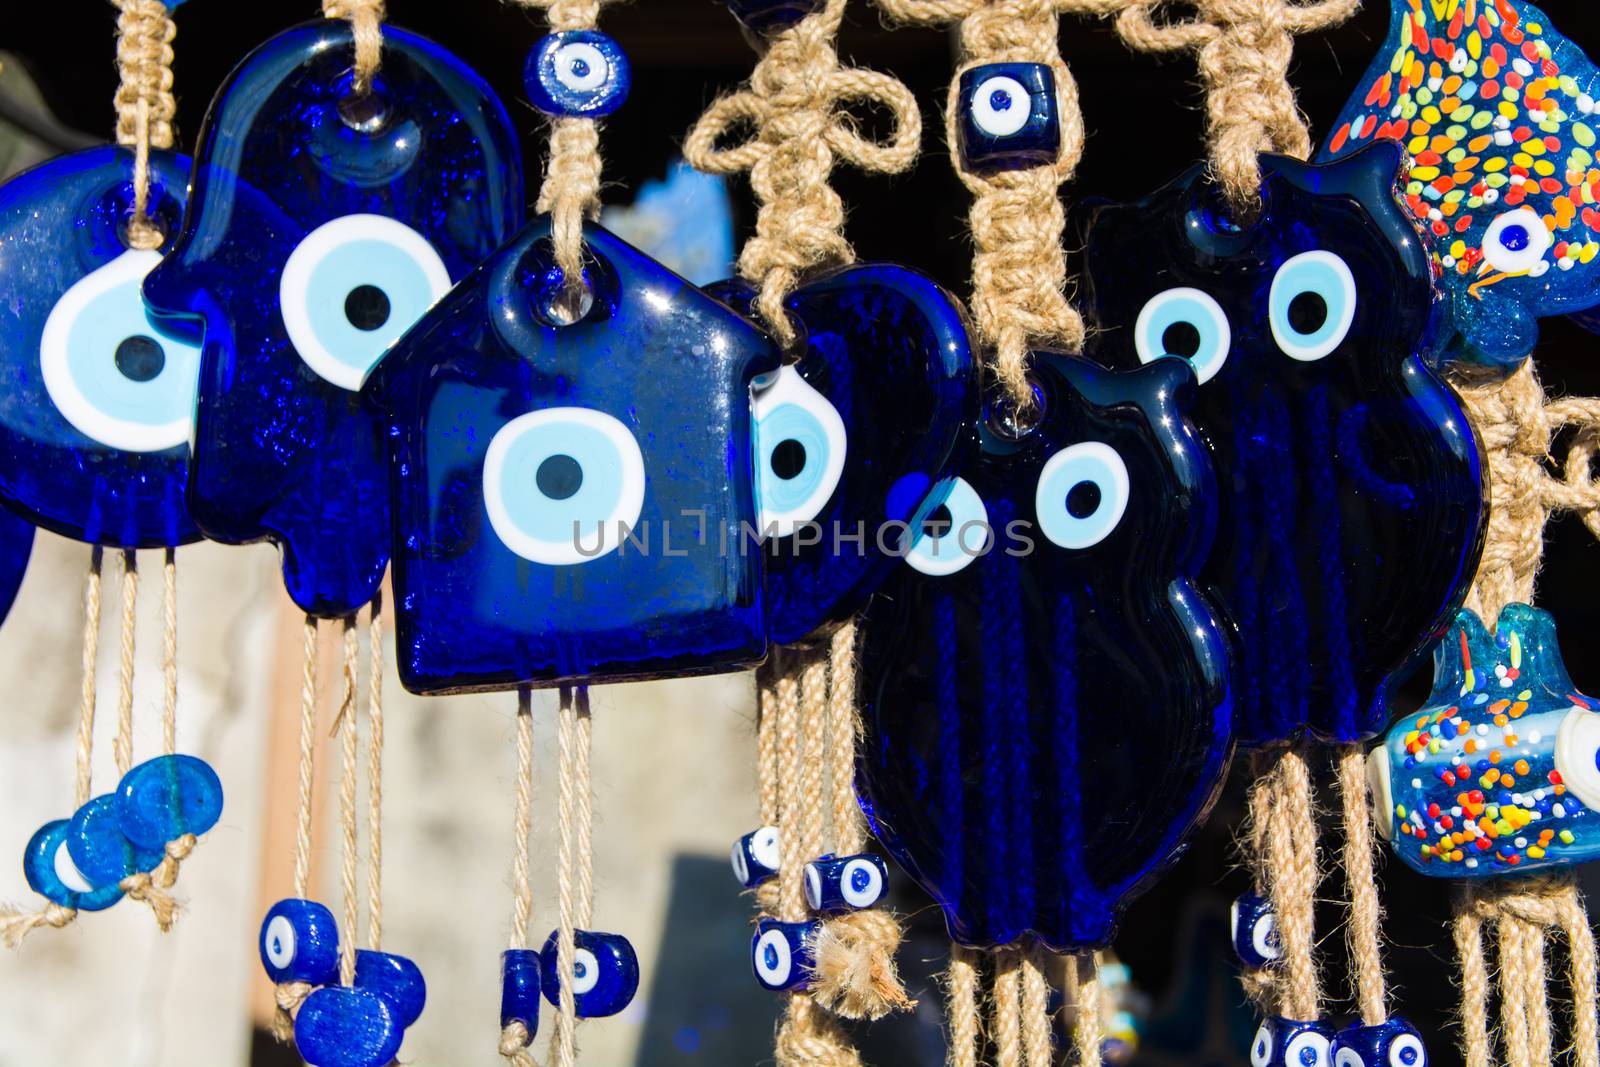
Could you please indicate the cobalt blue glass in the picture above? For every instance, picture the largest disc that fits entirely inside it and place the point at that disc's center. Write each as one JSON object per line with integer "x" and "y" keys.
{"x": 1283, "y": 1042}
{"x": 47, "y": 865}
{"x": 339, "y": 1027}
{"x": 770, "y": 16}
{"x": 845, "y": 883}
{"x": 1498, "y": 774}
{"x": 96, "y": 397}
{"x": 855, "y": 439}
{"x": 1503, "y": 183}
{"x": 1045, "y": 635}
{"x": 573, "y": 502}
{"x": 577, "y": 74}
{"x": 519, "y": 989}
{"x": 395, "y": 978}
{"x": 1255, "y": 931}
{"x": 781, "y": 953}
{"x": 1007, "y": 118}
{"x": 166, "y": 798}
{"x": 16, "y": 545}
{"x": 1392, "y": 1043}
{"x": 756, "y": 856}
{"x": 99, "y": 848}
{"x": 1353, "y": 490}
{"x": 320, "y": 226}
{"x": 605, "y": 973}
{"x": 300, "y": 943}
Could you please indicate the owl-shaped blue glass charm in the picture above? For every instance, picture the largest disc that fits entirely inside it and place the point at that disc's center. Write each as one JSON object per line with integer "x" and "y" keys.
{"x": 1353, "y": 494}
{"x": 321, "y": 226}
{"x": 96, "y": 396}
{"x": 1044, "y": 635}
{"x": 1497, "y": 110}
{"x": 856, "y": 438}
{"x": 16, "y": 545}
{"x": 1499, "y": 773}
{"x": 573, "y": 499}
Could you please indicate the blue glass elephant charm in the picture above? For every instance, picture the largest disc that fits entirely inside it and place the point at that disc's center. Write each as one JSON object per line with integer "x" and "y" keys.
{"x": 573, "y": 498}
{"x": 97, "y": 403}
{"x": 322, "y": 225}
{"x": 1497, "y": 110}
{"x": 856, "y": 438}
{"x": 1353, "y": 498}
{"x": 1055, "y": 583}
{"x": 1497, "y": 774}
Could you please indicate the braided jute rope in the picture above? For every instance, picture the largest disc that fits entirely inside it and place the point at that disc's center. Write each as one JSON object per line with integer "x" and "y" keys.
{"x": 366, "y": 26}
{"x": 1363, "y": 932}
{"x": 1243, "y": 48}
{"x": 290, "y": 995}
{"x": 1291, "y": 877}
{"x": 795, "y": 107}
{"x": 347, "y": 730}
{"x": 514, "y": 1037}
{"x": 1090, "y": 1008}
{"x": 144, "y": 101}
{"x": 575, "y": 861}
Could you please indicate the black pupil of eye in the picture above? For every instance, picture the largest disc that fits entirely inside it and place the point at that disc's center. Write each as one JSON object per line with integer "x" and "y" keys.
{"x": 1308, "y": 1056}
{"x": 1181, "y": 339}
{"x": 858, "y": 879}
{"x": 579, "y": 969}
{"x": 1514, "y": 238}
{"x": 140, "y": 358}
{"x": 580, "y": 68}
{"x": 1308, "y": 312}
{"x": 1408, "y": 1055}
{"x": 1000, "y": 100}
{"x": 367, "y": 307}
{"x": 1083, "y": 500}
{"x": 789, "y": 458}
{"x": 559, "y": 476}
{"x": 938, "y": 522}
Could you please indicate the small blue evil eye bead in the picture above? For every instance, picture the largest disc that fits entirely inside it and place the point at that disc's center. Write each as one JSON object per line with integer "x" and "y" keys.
{"x": 845, "y": 883}
{"x": 339, "y": 1027}
{"x": 1283, "y": 1042}
{"x": 519, "y": 989}
{"x": 605, "y": 973}
{"x": 300, "y": 943}
{"x": 780, "y": 953}
{"x": 394, "y": 978}
{"x": 47, "y": 865}
{"x": 99, "y": 848}
{"x": 1008, "y": 117}
{"x": 1392, "y": 1043}
{"x": 577, "y": 74}
{"x": 770, "y": 16}
{"x": 1255, "y": 931}
{"x": 756, "y": 857}
{"x": 166, "y": 798}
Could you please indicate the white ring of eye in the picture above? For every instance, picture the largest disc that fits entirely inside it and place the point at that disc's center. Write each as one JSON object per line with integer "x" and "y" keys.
{"x": 1577, "y": 741}
{"x": 1261, "y": 1047}
{"x": 1113, "y": 495}
{"x": 67, "y": 872}
{"x": 1001, "y": 122}
{"x": 279, "y": 932}
{"x": 741, "y": 866}
{"x": 1206, "y": 364}
{"x": 863, "y": 898}
{"x": 55, "y": 367}
{"x": 1407, "y": 1041}
{"x": 599, "y": 69}
{"x": 769, "y": 394}
{"x": 1303, "y": 1040}
{"x": 813, "y": 886}
{"x": 1518, "y": 260}
{"x": 1382, "y": 791}
{"x": 294, "y": 289}
{"x": 1293, "y": 344}
{"x": 1347, "y": 1057}
{"x": 589, "y": 977}
{"x": 775, "y": 975}
{"x": 1261, "y": 939}
{"x": 764, "y": 847}
{"x": 953, "y": 550}
{"x": 577, "y": 549}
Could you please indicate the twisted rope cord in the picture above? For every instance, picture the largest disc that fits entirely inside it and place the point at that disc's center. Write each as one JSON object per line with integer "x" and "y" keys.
{"x": 575, "y": 875}
{"x": 1260, "y": 984}
{"x": 346, "y": 729}
{"x": 766, "y": 893}
{"x": 1036, "y": 1035}
{"x": 375, "y": 775}
{"x": 1006, "y": 1026}
{"x": 165, "y": 876}
{"x": 366, "y": 26}
{"x": 795, "y": 105}
{"x": 1086, "y": 994}
{"x": 514, "y": 1037}
{"x": 1292, "y": 875}
{"x": 961, "y": 996}
{"x": 1364, "y": 930}
{"x": 122, "y": 743}
{"x": 290, "y": 995}
{"x": 144, "y": 101}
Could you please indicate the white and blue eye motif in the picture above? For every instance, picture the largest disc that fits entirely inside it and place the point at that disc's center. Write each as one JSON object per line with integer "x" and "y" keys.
{"x": 1081, "y": 495}
{"x": 110, "y": 371}
{"x": 1309, "y": 1048}
{"x": 563, "y": 485}
{"x": 1007, "y": 117}
{"x": 1577, "y": 755}
{"x": 1187, "y": 323}
{"x": 954, "y": 534}
{"x": 1312, "y": 305}
{"x": 800, "y": 449}
{"x": 577, "y": 74}
{"x": 351, "y": 288}
{"x": 1516, "y": 241}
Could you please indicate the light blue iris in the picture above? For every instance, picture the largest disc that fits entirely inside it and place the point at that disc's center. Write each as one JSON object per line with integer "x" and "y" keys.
{"x": 1080, "y": 464}
{"x": 1179, "y": 307}
{"x": 559, "y": 520}
{"x": 349, "y": 266}
{"x": 791, "y": 422}
{"x": 1324, "y": 276}
{"x": 92, "y": 342}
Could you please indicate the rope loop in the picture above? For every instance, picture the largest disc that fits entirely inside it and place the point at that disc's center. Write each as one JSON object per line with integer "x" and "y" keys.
{"x": 366, "y": 26}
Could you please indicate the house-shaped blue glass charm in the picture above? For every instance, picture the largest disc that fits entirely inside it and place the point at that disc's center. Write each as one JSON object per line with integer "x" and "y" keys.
{"x": 1352, "y": 487}
{"x": 96, "y": 396}
{"x": 1044, "y": 685}
{"x": 322, "y": 225}
{"x": 573, "y": 498}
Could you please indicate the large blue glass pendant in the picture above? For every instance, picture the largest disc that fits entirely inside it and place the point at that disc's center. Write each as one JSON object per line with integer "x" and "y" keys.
{"x": 1498, "y": 111}
{"x": 856, "y": 439}
{"x": 96, "y": 397}
{"x": 1497, "y": 774}
{"x": 573, "y": 503}
{"x": 1353, "y": 493}
{"x": 320, "y": 227}
{"x": 1044, "y": 686}
{"x": 16, "y": 545}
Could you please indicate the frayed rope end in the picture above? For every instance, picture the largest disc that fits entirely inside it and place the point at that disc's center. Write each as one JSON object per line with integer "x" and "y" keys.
{"x": 855, "y": 975}
{"x": 16, "y": 925}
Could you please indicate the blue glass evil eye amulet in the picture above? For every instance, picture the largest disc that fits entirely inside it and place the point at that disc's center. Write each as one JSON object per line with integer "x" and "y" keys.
{"x": 98, "y": 396}
{"x": 573, "y": 498}
{"x": 1008, "y": 118}
{"x": 1353, "y": 494}
{"x": 1503, "y": 186}
{"x": 577, "y": 74}
{"x": 322, "y": 225}
{"x": 1055, "y": 583}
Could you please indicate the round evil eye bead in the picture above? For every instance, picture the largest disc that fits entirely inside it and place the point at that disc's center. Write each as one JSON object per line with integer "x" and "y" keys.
{"x": 98, "y": 846}
{"x": 394, "y": 978}
{"x": 605, "y": 972}
{"x": 1312, "y": 304}
{"x": 339, "y": 1027}
{"x": 300, "y": 943}
{"x": 1281, "y": 1042}
{"x": 47, "y": 864}
{"x": 577, "y": 74}
{"x": 166, "y": 798}
{"x": 1007, "y": 118}
{"x": 845, "y": 883}
{"x": 519, "y": 989}
{"x": 756, "y": 856}
{"x": 780, "y": 953}
{"x": 1516, "y": 241}
{"x": 1392, "y": 1043}
{"x": 770, "y": 16}
{"x": 1255, "y": 931}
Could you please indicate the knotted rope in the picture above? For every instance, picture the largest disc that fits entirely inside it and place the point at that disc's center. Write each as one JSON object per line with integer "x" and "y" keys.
{"x": 144, "y": 102}
{"x": 514, "y": 1037}
{"x": 366, "y": 26}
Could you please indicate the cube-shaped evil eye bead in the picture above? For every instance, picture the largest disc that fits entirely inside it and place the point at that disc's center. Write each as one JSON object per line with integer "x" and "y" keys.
{"x": 338, "y": 1027}
{"x": 845, "y": 883}
{"x": 770, "y": 16}
{"x": 781, "y": 955}
{"x": 163, "y": 799}
{"x": 98, "y": 846}
{"x": 519, "y": 989}
{"x": 756, "y": 856}
{"x": 605, "y": 973}
{"x": 300, "y": 943}
{"x": 47, "y": 865}
{"x": 1255, "y": 931}
{"x": 394, "y": 978}
{"x": 1008, "y": 117}
{"x": 1281, "y": 1042}
{"x": 1392, "y": 1043}
{"x": 577, "y": 74}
